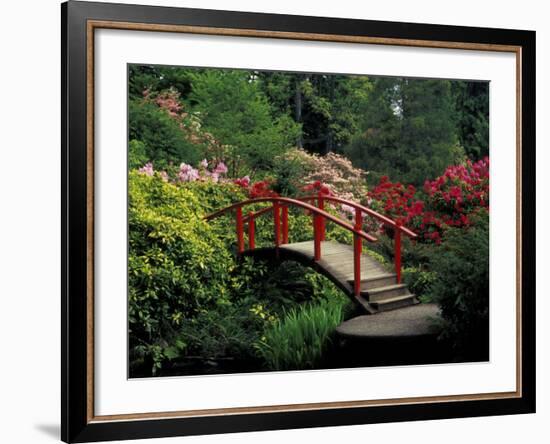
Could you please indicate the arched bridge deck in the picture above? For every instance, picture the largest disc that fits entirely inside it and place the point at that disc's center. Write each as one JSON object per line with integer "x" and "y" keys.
{"x": 379, "y": 290}
{"x": 359, "y": 275}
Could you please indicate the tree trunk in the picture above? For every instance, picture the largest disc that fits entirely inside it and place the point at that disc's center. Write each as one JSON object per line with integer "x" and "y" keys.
{"x": 329, "y": 147}
{"x": 298, "y": 110}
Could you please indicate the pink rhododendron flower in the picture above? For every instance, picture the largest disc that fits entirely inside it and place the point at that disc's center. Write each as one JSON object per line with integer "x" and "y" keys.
{"x": 147, "y": 169}
{"x": 204, "y": 163}
{"x": 221, "y": 168}
{"x": 348, "y": 209}
{"x": 187, "y": 173}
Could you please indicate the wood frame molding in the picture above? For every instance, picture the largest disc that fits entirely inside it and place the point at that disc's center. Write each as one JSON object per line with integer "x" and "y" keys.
{"x": 80, "y": 20}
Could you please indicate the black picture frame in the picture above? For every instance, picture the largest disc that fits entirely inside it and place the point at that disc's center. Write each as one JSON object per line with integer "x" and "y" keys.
{"x": 77, "y": 425}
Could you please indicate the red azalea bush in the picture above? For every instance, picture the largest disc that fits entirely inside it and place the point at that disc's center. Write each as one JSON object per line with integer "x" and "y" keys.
{"x": 459, "y": 192}
{"x": 317, "y": 188}
{"x": 263, "y": 188}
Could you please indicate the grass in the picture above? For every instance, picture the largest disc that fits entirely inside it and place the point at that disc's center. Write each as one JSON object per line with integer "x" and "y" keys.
{"x": 298, "y": 340}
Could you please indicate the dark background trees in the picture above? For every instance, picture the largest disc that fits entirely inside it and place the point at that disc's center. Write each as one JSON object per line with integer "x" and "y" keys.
{"x": 408, "y": 129}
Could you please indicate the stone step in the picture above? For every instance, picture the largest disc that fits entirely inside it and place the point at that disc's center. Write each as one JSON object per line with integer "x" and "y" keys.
{"x": 376, "y": 281}
{"x": 393, "y": 303}
{"x": 383, "y": 293}
{"x": 365, "y": 304}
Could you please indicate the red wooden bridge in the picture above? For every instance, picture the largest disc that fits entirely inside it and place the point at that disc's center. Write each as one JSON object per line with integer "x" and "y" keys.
{"x": 360, "y": 276}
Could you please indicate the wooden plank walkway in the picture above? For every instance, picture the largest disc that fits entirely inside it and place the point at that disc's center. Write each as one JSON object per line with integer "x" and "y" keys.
{"x": 379, "y": 288}
{"x": 337, "y": 259}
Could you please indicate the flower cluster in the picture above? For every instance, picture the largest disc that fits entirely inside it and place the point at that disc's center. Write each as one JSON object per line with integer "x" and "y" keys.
{"x": 333, "y": 170}
{"x": 262, "y": 188}
{"x": 317, "y": 188}
{"x": 147, "y": 169}
{"x": 170, "y": 101}
{"x": 459, "y": 192}
{"x": 188, "y": 173}
{"x": 396, "y": 199}
{"x": 461, "y": 188}
{"x": 243, "y": 182}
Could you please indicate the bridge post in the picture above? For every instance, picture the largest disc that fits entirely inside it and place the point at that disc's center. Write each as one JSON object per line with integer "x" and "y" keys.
{"x": 251, "y": 231}
{"x": 397, "y": 253}
{"x": 277, "y": 223}
{"x": 316, "y": 236}
{"x": 357, "y": 250}
{"x": 239, "y": 224}
{"x": 321, "y": 206}
{"x": 285, "y": 224}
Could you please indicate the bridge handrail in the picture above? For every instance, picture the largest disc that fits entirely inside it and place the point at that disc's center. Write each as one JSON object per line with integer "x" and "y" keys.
{"x": 280, "y": 207}
{"x": 386, "y": 220}
{"x": 294, "y": 202}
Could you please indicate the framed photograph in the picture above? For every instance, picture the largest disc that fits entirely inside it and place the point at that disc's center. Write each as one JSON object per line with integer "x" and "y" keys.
{"x": 276, "y": 221}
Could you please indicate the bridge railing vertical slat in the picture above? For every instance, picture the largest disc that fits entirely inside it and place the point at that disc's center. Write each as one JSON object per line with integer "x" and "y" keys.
{"x": 251, "y": 231}
{"x": 321, "y": 206}
{"x": 316, "y": 236}
{"x": 239, "y": 226}
{"x": 397, "y": 253}
{"x": 277, "y": 223}
{"x": 284, "y": 217}
{"x": 357, "y": 250}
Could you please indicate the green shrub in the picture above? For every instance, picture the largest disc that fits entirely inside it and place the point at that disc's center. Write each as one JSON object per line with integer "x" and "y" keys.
{"x": 413, "y": 253}
{"x": 298, "y": 340}
{"x": 419, "y": 282}
{"x": 137, "y": 154}
{"x": 161, "y": 135}
{"x": 461, "y": 288}
{"x": 237, "y": 113}
{"x": 177, "y": 266}
{"x": 226, "y": 332}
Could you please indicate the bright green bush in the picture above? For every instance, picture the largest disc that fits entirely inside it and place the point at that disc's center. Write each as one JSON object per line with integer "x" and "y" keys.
{"x": 177, "y": 266}
{"x": 461, "y": 288}
{"x": 298, "y": 340}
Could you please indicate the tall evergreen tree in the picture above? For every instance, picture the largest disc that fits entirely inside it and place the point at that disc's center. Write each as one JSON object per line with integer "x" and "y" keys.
{"x": 429, "y": 141}
{"x": 472, "y": 106}
{"x": 408, "y": 130}
{"x": 327, "y": 106}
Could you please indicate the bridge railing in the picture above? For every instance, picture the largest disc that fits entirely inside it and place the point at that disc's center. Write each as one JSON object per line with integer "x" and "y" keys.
{"x": 360, "y": 210}
{"x": 279, "y": 208}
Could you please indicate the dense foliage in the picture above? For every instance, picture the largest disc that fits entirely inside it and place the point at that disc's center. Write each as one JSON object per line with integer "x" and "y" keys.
{"x": 407, "y": 129}
{"x": 188, "y": 295}
{"x": 173, "y": 253}
{"x": 462, "y": 287}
